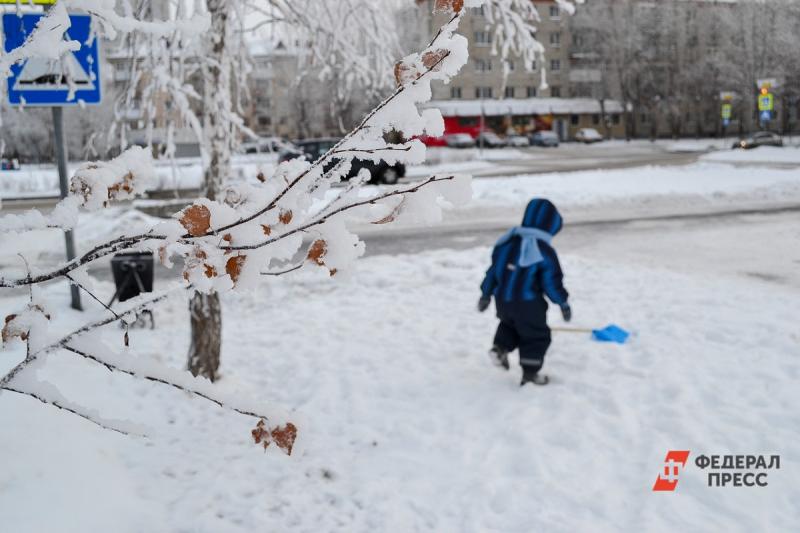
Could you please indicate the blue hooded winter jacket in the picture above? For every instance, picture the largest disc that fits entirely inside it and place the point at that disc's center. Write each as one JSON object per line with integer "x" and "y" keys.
{"x": 524, "y": 264}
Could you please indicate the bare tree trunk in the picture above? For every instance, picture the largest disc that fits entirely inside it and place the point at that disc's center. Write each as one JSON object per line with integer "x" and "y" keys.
{"x": 206, "y": 319}
{"x": 205, "y": 309}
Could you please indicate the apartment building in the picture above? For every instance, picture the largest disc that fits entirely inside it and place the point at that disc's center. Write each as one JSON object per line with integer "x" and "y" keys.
{"x": 509, "y": 96}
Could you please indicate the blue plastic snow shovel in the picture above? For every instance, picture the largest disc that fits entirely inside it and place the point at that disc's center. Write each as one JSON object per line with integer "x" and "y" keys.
{"x": 610, "y": 333}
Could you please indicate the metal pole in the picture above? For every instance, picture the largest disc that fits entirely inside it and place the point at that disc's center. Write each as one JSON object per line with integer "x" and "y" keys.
{"x": 61, "y": 159}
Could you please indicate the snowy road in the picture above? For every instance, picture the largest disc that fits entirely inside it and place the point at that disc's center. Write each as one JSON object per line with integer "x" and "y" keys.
{"x": 763, "y": 246}
{"x": 771, "y": 241}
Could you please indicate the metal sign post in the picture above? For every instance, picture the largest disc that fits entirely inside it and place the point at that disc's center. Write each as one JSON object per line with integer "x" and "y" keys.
{"x": 63, "y": 184}
{"x": 74, "y": 79}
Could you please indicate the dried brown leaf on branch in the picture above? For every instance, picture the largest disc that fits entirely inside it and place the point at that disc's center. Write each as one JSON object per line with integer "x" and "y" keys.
{"x": 125, "y": 185}
{"x": 162, "y": 254}
{"x": 197, "y": 259}
{"x": 13, "y": 329}
{"x": 261, "y": 435}
{"x": 196, "y": 219}
{"x": 10, "y": 330}
{"x": 266, "y": 229}
{"x": 286, "y": 216}
{"x": 391, "y": 217}
{"x": 261, "y": 177}
{"x": 405, "y": 72}
{"x": 283, "y": 437}
{"x": 432, "y": 59}
{"x": 234, "y": 266}
{"x": 448, "y": 6}
{"x": 317, "y": 251}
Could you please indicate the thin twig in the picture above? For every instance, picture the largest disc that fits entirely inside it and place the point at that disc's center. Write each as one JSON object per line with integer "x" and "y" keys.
{"x": 83, "y": 329}
{"x": 114, "y": 368}
{"x": 282, "y": 272}
{"x": 95, "y": 298}
{"x": 55, "y": 403}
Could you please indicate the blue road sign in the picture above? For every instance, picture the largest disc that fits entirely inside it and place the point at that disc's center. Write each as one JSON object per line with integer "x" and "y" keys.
{"x": 47, "y": 82}
{"x": 766, "y": 116}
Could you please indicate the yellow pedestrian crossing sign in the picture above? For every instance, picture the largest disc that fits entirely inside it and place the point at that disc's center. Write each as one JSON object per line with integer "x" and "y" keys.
{"x": 766, "y": 102}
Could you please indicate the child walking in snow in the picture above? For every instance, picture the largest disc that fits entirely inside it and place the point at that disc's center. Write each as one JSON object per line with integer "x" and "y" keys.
{"x": 525, "y": 268}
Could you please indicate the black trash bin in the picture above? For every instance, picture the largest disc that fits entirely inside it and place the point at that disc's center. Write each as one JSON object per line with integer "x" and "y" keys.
{"x": 133, "y": 274}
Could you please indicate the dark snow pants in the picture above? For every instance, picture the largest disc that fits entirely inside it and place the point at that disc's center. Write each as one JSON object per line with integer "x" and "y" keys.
{"x": 523, "y": 325}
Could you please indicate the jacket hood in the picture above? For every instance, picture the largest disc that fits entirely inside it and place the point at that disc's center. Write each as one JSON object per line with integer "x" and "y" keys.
{"x": 542, "y": 214}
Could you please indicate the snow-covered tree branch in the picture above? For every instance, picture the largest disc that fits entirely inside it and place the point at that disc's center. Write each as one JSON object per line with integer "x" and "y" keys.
{"x": 226, "y": 241}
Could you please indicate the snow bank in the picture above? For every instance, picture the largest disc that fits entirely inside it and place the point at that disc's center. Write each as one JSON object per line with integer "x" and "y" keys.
{"x": 707, "y": 181}
{"x": 42, "y": 180}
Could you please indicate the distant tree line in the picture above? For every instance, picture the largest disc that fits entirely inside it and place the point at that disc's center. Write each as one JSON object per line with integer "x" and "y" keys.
{"x": 668, "y": 61}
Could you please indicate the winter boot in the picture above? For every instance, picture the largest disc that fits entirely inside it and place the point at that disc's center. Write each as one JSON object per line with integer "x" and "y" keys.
{"x": 499, "y": 357}
{"x": 529, "y": 375}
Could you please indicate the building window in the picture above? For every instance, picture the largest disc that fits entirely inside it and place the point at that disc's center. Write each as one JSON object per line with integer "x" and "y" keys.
{"x": 555, "y": 12}
{"x": 483, "y": 65}
{"x": 643, "y": 117}
{"x": 574, "y": 119}
{"x": 483, "y": 38}
{"x": 483, "y": 92}
{"x": 264, "y": 121}
{"x": 595, "y": 119}
{"x": 455, "y": 92}
{"x": 511, "y": 65}
{"x": 555, "y": 92}
{"x": 615, "y": 118}
{"x": 477, "y": 11}
{"x": 509, "y": 92}
{"x": 531, "y": 92}
{"x": 555, "y": 65}
{"x": 555, "y": 39}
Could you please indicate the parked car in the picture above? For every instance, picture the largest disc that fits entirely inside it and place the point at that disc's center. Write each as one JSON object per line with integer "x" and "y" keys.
{"x": 313, "y": 149}
{"x": 267, "y": 145}
{"x": 518, "y": 141}
{"x": 490, "y": 139}
{"x": 10, "y": 164}
{"x": 762, "y": 138}
{"x": 544, "y": 138}
{"x": 459, "y": 140}
{"x": 588, "y": 136}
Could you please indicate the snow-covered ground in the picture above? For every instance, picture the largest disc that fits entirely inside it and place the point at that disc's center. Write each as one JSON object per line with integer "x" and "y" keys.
{"x": 403, "y": 424}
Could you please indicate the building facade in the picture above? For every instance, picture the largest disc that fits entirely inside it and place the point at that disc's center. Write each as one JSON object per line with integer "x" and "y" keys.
{"x": 554, "y": 92}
